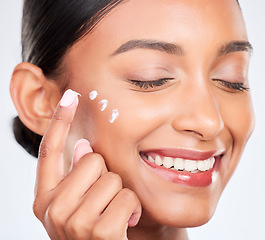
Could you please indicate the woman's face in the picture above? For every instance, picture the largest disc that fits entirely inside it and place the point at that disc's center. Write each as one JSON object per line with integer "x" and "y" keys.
{"x": 176, "y": 71}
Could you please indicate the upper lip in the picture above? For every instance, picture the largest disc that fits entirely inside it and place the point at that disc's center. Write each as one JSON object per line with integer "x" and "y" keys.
{"x": 184, "y": 153}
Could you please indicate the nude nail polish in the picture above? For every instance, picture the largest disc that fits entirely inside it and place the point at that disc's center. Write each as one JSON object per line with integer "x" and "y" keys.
{"x": 85, "y": 142}
{"x": 68, "y": 98}
{"x": 82, "y": 147}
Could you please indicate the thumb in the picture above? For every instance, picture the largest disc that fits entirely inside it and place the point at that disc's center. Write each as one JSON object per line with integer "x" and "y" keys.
{"x": 82, "y": 147}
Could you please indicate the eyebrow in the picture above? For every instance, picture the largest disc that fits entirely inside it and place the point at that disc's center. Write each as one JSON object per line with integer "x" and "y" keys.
{"x": 169, "y": 48}
{"x": 237, "y": 46}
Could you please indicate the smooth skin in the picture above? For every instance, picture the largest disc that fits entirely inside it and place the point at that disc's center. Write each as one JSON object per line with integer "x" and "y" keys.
{"x": 85, "y": 195}
{"x": 98, "y": 188}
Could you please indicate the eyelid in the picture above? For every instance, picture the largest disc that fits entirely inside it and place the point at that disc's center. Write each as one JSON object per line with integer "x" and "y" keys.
{"x": 236, "y": 86}
{"x": 145, "y": 84}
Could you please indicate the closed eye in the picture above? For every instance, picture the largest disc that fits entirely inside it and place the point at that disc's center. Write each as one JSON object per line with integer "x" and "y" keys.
{"x": 231, "y": 86}
{"x": 150, "y": 84}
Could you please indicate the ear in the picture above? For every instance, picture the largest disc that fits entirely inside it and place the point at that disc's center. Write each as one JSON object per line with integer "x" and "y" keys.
{"x": 34, "y": 96}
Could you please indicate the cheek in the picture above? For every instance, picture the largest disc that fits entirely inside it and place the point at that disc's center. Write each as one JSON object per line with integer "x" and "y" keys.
{"x": 137, "y": 118}
{"x": 239, "y": 121}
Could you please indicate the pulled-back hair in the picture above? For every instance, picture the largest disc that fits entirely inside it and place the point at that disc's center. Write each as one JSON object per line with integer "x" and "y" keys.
{"x": 49, "y": 29}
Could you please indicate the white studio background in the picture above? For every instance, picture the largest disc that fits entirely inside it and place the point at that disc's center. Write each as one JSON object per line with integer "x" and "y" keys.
{"x": 240, "y": 212}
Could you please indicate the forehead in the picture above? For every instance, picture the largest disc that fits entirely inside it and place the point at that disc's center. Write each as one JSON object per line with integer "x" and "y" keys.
{"x": 190, "y": 23}
{"x": 142, "y": 17}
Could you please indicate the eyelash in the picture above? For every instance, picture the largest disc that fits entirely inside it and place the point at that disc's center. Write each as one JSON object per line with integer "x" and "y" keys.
{"x": 160, "y": 82}
{"x": 150, "y": 84}
{"x": 232, "y": 85}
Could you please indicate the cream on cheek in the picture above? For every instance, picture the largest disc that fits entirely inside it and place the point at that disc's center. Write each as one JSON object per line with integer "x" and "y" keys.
{"x": 93, "y": 95}
{"x": 114, "y": 115}
{"x": 103, "y": 104}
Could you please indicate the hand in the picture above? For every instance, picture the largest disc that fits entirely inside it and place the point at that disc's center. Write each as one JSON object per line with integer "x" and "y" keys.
{"x": 88, "y": 203}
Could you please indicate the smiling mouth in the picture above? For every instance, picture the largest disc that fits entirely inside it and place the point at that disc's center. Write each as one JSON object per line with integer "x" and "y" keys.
{"x": 183, "y": 166}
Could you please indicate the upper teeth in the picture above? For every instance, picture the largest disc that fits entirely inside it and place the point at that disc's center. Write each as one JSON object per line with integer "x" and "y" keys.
{"x": 183, "y": 164}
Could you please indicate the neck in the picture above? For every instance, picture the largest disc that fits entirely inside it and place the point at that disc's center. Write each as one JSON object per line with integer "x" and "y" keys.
{"x": 156, "y": 232}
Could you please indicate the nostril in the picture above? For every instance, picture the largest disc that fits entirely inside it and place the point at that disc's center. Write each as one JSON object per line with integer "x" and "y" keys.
{"x": 194, "y": 132}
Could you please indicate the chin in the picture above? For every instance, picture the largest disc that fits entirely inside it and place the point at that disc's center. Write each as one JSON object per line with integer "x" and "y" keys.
{"x": 184, "y": 217}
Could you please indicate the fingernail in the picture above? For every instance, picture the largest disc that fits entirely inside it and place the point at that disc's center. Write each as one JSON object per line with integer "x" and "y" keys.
{"x": 82, "y": 147}
{"x": 135, "y": 217}
{"x": 83, "y": 141}
{"x": 68, "y": 98}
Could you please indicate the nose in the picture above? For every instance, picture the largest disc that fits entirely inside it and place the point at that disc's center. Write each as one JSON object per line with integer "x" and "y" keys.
{"x": 198, "y": 114}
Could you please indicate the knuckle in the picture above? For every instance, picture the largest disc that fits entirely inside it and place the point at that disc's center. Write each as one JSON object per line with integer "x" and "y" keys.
{"x": 77, "y": 228}
{"x": 58, "y": 116}
{"x": 97, "y": 159}
{"x": 128, "y": 195}
{"x": 62, "y": 116}
{"x": 37, "y": 209}
{"x": 54, "y": 215}
{"x": 94, "y": 159}
{"x": 45, "y": 149}
{"x": 113, "y": 179}
{"x": 40, "y": 205}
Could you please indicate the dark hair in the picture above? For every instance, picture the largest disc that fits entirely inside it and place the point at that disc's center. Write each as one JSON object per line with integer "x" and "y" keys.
{"x": 49, "y": 29}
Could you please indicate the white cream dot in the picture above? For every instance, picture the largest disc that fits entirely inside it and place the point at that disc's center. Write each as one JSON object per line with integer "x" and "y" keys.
{"x": 114, "y": 115}
{"x": 103, "y": 104}
{"x": 93, "y": 95}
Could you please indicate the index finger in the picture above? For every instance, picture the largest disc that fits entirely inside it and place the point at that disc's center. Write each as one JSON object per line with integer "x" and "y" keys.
{"x": 50, "y": 169}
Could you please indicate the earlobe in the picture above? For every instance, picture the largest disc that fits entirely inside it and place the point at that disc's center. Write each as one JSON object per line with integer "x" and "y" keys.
{"x": 34, "y": 96}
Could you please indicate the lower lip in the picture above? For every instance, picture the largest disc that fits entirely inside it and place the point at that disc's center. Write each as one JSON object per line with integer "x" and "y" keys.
{"x": 199, "y": 179}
